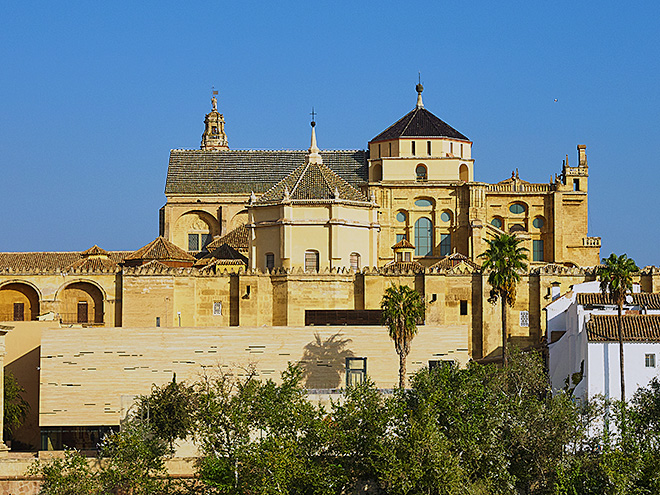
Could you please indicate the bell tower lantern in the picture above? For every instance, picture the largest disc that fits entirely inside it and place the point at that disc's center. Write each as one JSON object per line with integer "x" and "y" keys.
{"x": 214, "y": 137}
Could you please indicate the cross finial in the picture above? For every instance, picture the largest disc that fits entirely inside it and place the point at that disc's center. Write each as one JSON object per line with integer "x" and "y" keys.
{"x": 313, "y": 114}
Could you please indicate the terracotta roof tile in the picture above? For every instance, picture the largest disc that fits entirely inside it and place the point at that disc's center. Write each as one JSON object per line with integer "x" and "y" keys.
{"x": 404, "y": 266}
{"x": 403, "y": 244}
{"x": 647, "y": 299}
{"x": 48, "y": 261}
{"x": 162, "y": 250}
{"x": 636, "y": 328}
{"x": 312, "y": 181}
{"x": 453, "y": 260}
{"x": 419, "y": 123}
{"x": 244, "y": 171}
{"x": 238, "y": 239}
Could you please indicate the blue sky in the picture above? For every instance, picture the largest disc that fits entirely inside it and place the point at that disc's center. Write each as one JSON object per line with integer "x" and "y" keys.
{"x": 94, "y": 95}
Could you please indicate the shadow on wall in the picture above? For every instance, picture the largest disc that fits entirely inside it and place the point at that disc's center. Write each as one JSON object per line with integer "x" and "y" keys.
{"x": 26, "y": 371}
{"x": 324, "y": 361}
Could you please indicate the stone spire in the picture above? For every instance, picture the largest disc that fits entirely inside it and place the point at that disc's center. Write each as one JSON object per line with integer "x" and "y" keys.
{"x": 314, "y": 156}
{"x": 214, "y": 137}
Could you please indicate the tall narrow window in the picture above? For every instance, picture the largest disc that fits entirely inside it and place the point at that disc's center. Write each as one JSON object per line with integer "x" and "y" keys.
{"x": 19, "y": 311}
{"x": 356, "y": 370}
{"x": 464, "y": 307}
{"x": 412, "y": 148}
{"x": 379, "y": 151}
{"x": 390, "y": 149}
{"x": 193, "y": 242}
{"x": 445, "y": 244}
{"x": 423, "y": 237}
{"x": 537, "y": 247}
{"x": 461, "y": 150}
{"x": 311, "y": 261}
{"x": 420, "y": 172}
{"x": 524, "y": 318}
{"x": 270, "y": 261}
{"x": 428, "y": 148}
{"x": 451, "y": 148}
{"x": 576, "y": 184}
{"x": 355, "y": 262}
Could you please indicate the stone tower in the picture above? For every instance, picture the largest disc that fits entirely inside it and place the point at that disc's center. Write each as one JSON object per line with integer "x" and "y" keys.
{"x": 214, "y": 137}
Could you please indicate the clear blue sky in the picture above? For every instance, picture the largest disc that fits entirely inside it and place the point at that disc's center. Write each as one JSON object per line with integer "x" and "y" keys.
{"x": 95, "y": 94}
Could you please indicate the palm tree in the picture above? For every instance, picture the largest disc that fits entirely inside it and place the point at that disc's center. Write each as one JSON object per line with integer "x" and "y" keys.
{"x": 402, "y": 308}
{"x": 505, "y": 258}
{"x": 616, "y": 280}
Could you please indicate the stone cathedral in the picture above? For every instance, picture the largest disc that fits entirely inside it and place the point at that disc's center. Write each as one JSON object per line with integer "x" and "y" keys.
{"x": 269, "y": 256}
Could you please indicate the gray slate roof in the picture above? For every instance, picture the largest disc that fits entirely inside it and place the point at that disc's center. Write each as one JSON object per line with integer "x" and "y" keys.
{"x": 419, "y": 123}
{"x": 243, "y": 171}
{"x": 312, "y": 182}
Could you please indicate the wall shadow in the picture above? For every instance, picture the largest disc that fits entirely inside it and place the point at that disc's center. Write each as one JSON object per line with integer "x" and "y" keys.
{"x": 324, "y": 361}
{"x": 26, "y": 371}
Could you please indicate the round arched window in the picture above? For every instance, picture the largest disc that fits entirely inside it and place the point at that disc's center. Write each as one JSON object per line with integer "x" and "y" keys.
{"x": 517, "y": 208}
{"x": 445, "y": 217}
{"x": 420, "y": 172}
{"x": 538, "y": 222}
{"x": 496, "y": 222}
{"x": 401, "y": 216}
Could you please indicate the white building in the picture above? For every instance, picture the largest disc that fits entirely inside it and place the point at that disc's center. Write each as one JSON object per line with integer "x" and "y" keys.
{"x": 583, "y": 342}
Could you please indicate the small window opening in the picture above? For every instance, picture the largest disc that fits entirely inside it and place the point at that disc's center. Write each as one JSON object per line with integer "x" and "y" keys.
{"x": 311, "y": 261}
{"x": 524, "y": 318}
{"x": 379, "y": 151}
{"x": 420, "y": 172}
{"x": 356, "y": 370}
{"x": 464, "y": 307}
{"x": 412, "y": 148}
{"x": 649, "y": 360}
{"x": 355, "y": 262}
{"x": 428, "y": 148}
{"x": 451, "y": 148}
{"x": 390, "y": 149}
{"x": 217, "y": 308}
{"x": 461, "y": 150}
{"x": 576, "y": 184}
{"x": 157, "y": 321}
{"x": 270, "y": 261}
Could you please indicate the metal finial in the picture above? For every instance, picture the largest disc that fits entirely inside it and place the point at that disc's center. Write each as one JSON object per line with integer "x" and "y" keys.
{"x": 313, "y": 114}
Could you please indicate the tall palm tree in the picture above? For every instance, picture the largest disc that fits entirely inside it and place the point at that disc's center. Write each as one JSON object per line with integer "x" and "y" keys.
{"x": 616, "y": 280}
{"x": 402, "y": 308}
{"x": 505, "y": 258}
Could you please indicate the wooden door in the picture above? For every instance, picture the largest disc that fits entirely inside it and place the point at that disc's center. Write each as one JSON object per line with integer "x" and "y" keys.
{"x": 19, "y": 312}
{"x": 82, "y": 312}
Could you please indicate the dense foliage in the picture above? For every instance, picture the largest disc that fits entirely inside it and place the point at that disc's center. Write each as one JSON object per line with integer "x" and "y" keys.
{"x": 16, "y": 407}
{"x": 478, "y": 430}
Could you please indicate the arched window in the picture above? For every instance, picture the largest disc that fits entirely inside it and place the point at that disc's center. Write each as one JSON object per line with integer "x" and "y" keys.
{"x": 516, "y": 228}
{"x": 311, "y": 261}
{"x": 423, "y": 237}
{"x": 377, "y": 173}
{"x": 445, "y": 244}
{"x": 517, "y": 208}
{"x": 270, "y": 261}
{"x": 464, "y": 172}
{"x": 420, "y": 172}
{"x": 355, "y": 262}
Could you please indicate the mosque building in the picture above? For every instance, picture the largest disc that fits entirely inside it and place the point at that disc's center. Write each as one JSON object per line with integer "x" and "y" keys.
{"x": 272, "y": 254}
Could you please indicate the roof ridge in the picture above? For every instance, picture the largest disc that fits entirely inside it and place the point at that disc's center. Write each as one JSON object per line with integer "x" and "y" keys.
{"x": 302, "y": 174}
{"x": 412, "y": 116}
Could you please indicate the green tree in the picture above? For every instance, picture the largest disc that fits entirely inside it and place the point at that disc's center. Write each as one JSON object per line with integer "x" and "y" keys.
{"x": 505, "y": 259}
{"x": 403, "y": 308}
{"x": 68, "y": 475}
{"x": 616, "y": 280}
{"x": 16, "y": 407}
{"x": 169, "y": 411}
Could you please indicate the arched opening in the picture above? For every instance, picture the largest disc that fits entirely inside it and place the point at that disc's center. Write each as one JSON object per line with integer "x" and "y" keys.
{"x": 311, "y": 261}
{"x": 377, "y": 173}
{"x": 241, "y": 218}
{"x": 194, "y": 230}
{"x": 355, "y": 262}
{"x": 464, "y": 172}
{"x": 81, "y": 303}
{"x": 516, "y": 227}
{"x": 18, "y": 302}
{"x": 423, "y": 237}
{"x": 421, "y": 172}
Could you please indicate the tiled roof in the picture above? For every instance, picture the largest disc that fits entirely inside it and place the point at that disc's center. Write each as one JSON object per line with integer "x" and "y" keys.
{"x": 162, "y": 250}
{"x": 222, "y": 254}
{"x": 48, "y": 261}
{"x": 99, "y": 264}
{"x": 403, "y": 244}
{"x": 454, "y": 260}
{"x": 647, "y": 299}
{"x": 237, "y": 238}
{"x": 636, "y": 328}
{"x": 94, "y": 250}
{"x": 311, "y": 181}
{"x": 236, "y": 171}
{"x": 403, "y": 266}
{"x": 419, "y": 123}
